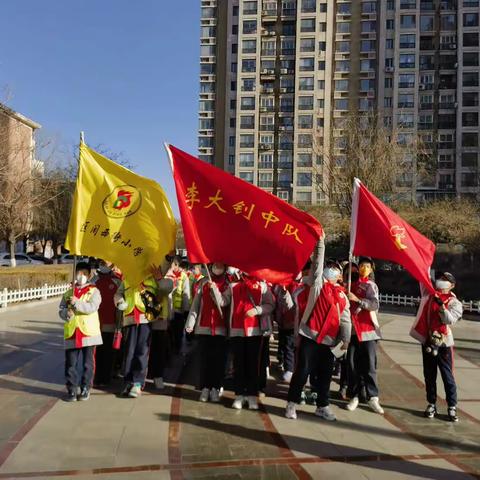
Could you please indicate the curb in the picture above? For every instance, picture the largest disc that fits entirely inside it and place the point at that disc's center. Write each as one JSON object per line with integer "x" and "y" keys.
{"x": 26, "y": 305}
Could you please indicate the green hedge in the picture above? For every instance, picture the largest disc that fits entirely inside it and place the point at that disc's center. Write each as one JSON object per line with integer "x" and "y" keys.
{"x": 29, "y": 277}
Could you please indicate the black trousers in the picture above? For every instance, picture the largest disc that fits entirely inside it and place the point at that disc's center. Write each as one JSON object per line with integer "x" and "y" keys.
{"x": 264, "y": 362}
{"x": 317, "y": 361}
{"x": 443, "y": 362}
{"x": 137, "y": 345}
{"x": 105, "y": 357}
{"x": 79, "y": 366}
{"x": 177, "y": 327}
{"x": 159, "y": 353}
{"x": 212, "y": 351}
{"x": 246, "y": 364}
{"x": 362, "y": 367}
{"x": 286, "y": 349}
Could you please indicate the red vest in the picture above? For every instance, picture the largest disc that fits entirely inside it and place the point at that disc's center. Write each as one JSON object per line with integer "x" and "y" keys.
{"x": 429, "y": 318}
{"x": 210, "y": 316}
{"x": 362, "y": 320}
{"x": 107, "y": 284}
{"x": 243, "y": 293}
{"x": 325, "y": 318}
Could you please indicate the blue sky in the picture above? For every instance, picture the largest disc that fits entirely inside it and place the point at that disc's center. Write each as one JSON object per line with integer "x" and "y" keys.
{"x": 124, "y": 72}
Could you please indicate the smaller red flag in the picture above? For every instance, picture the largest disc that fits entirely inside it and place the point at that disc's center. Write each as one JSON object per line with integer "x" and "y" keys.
{"x": 226, "y": 219}
{"x": 376, "y": 231}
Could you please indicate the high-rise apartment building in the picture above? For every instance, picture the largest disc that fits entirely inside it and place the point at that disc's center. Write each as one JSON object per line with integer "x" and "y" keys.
{"x": 277, "y": 76}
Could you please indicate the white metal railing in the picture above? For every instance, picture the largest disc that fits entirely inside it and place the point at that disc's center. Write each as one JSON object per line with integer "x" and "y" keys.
{"x": 411, "y": 301}
{"x": 38, "y": 293}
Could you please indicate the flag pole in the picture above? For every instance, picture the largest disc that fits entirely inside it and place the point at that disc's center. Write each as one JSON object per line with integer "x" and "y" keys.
{"x": 82, "y": 140}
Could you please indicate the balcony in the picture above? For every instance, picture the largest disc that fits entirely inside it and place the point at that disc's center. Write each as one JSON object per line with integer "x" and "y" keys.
{"x": 448, "y": 46}
{"x": 406, "y": 85}
{"x": 284, "y": 183}
{"x": 265, "y": 183}
{"x": 426, "y": 6}
{"x": 425, "y": 126}
{"x": 267, "y": 128}
{"x": 268, "y": 52}
{"x": 289, "y": 12}
{"x": 267, "y": 108}
{"x": 446, "y": 105}
{"x": 426, "y": 106}
{"x": 265, "y": 147}
{"x": 446, "y": 145}
{"x": 288, "y": 51}
{"x": 408, "y": 5}
{"x": 406, "y": 104}
{"x": 286, "y": 146}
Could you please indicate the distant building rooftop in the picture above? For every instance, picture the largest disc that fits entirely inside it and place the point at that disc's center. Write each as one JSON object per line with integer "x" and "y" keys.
{"x": 18, "y": 116}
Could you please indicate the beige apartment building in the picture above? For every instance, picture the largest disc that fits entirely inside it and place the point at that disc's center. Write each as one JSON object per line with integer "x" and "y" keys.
{"x": 277, "y": 76}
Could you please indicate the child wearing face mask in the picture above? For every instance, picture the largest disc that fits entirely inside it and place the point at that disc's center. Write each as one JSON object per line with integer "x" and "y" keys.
{"x": 436, "y": 314}
{"x": 325, "y": 323}
{"x": 208, "y": 319}
{"x": 79, "y": 309}
{"x": 362, "y": 351}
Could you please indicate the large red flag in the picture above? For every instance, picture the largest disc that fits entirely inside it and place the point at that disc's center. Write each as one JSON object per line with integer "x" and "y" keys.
{"x": 226, "y": 219}
{"x": 377, "y": 231}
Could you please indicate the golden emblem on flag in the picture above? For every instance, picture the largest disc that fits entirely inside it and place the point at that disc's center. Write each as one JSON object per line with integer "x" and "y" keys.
{"x": 398, "y": 234}
{"x": 123, "y": 201}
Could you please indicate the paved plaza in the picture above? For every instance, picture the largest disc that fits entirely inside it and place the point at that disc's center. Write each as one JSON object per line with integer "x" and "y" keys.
{"x": 172, "y": 435}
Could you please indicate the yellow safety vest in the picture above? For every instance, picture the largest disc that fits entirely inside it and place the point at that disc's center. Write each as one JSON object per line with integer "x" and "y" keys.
{"x": 87, "y": 323}
{"x": 134, "y": 299}
{"x": 178, "y": 292}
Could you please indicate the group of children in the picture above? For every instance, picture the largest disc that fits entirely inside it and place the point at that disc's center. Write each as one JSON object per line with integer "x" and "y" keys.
{"x": 326, "y": 316}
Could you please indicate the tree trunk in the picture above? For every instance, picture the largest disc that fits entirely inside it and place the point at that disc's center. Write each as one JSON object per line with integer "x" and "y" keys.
{"x": 11, "y": 244}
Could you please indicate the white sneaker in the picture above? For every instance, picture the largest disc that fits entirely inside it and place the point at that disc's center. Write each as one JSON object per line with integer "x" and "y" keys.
{"x": 374, "y": 404}
{"x": 135, "y": 391}
{"x": 291, "y": 411}
{"x": 214, "y": 395}
{"x": 158, "y": 383}
{"x": 252, "y": 402}
{"x": 287, "y": 376}
{"x": 325, "y": 413}
{"x": 204, "y": 395}
{"x": 352, "y": 404}
{"x": 220, "y": 392}
{"x": 238, "y": 402}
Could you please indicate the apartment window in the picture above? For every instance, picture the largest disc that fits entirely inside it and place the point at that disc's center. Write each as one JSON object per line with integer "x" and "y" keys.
{"x": 320, "y": 103}
{"x": 307, "y": 25}
{"x": 426, "y": 23}
{"x": 406, "y": 80}
{"x": 305, "y": 121}
{"x": 426, "y": 62}
{"x": 470, "y": 39}
{"x": 367, "y": 84}
{"x": 265, "y": 179}
{"x": 234, "y": 66}
{"x": 405, "y": 120}
{"x": 305, "y": 103}
{"x": 307, "y": 44}
{"x": 470, "y": 59}
{"x": 308, "y": 6}
{"x": 407, "y": 21}
{"x": 247, "y": 103}
{"x": 206, "y": 124}
{"x": 231, "y": 141}
{"x": 341, "y": 85}
{"x": 206, "y": 105}
{"x": 407, "y": 60}
{"x": 388, "y": 82}
{"x": 304, "y": 160}
{"x": 247, "y": 176}
{"x": 247, "y": 121}
{"x": 234, "y": 49}
{"x": 343, "y": 46}
{"x": 323, "y": 26}
{"x": 369, "y": 7}
{"x": 447, "y": 100}
{"x": 233, "y": 86}
{"x": 387, "y": 102}
{"x": 426, "y": 80}
{"x": 469, "y": 139}
{"x": 341, "y": 104}
{"x": 208, "y": 32}
{"x": 342, "y": 66}
{"x": 323, "y": 7}
{"x": 209, "y": 12}
{"x": 367, "y": 65}
{"x": 365, "y": 104}
{"x": 470, "y": 119}
{"x": 344, "y": 8}
{"x": 267, "y": 123}
{"x": 249, "y": 46}
{"x": 235, "y": 11}
{"x": 321, "y": 65}
{"x": 468, "y": 180}
{"x": 269, "y": 47}
{"x": 448, "y": 22}
{"x": 470, "y": 19}
{"x": 306, "y": 83}
{"x": 207, "y": 87}
{"x": 249, "y": 27}
{"x": 387, "y": 121}
{"x": 408, "y": 4}
{"x": 343, "y": 27}
{"x": 249, "y": 65}
{"x": 321, "y": 84}
{"x": 207, "y": 68}
{"x": 407, "y": 40}
{"x": 288, "y": 83}
{"x": 425, "y": 121}
{"x": 249, "y": 8}
{"x": 267, "y": 102}
{"x": 235, "y": 29}
{"x": 266, "y": 160}
{"x": 205, "y": 142}
{"x": 426, "y": 101}
{"x": 390, "y": 24}
{"x": 470, "y": 79}
{"x": 389, "y": 43}
{"x": 247, "y": 141}
{"x": 304, "y": 179}
{"x": 246, "y": 159}
{"x": 322, "y": 46}
{"x": 233, "y": 122}
{"x": 233, "y": 104}
{"x": 305, "y": 140}
{"x": 406, "y": 100}
{"x": 367, "y": 45}
{"x": 445, "y": 160}
{"x": 470, "y": 99}
{"x": 248, "y": 85}
{"x": 287, "y": 46}
{"x": 288, "y": 29}
{"x": 307, "y": 64}
{"x": 470, "y": 159}
{"x": 207, "y": 50}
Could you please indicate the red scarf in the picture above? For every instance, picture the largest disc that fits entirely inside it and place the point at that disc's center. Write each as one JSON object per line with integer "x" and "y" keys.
{"x": 78, "y": 292}
{"x": 210, "y": 315}
{"x": 429, "y": 319}
{"x": 325, "y": 318}
{"x": 243, "y": 293}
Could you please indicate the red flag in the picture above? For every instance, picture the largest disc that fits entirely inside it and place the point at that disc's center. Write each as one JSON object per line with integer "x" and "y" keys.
{"x": 226, "y": 219}
{"x": 377, "y": 231}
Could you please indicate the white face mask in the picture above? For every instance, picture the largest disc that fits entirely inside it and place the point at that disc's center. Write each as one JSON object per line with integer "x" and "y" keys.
{"x": 217, "y": 270}
{"x": 232, "y": 270}
{"x": 442, "y": 284}
{"x": 82, "y": 279}
{"x": 330, "y": 274}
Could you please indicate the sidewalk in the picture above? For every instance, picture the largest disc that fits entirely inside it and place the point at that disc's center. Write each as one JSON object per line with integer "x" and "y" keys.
{"x": 172, "y": 435}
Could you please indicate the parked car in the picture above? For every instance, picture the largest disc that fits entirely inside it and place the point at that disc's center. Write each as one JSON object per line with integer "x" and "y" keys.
{"x": 66, "y": 258}
{"x": 21, "y": 259}
{"x": 40, "y": 258}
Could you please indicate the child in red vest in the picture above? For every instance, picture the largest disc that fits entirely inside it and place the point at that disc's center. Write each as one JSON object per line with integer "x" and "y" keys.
{"x": 325, "y": 323}
{"x": 208, "y": 319}
{"x": 362, "y": 351}
{"x": 437, "y": 313}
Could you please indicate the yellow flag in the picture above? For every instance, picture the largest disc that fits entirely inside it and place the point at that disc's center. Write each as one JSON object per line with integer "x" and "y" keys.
{"x": 119, "y": 216}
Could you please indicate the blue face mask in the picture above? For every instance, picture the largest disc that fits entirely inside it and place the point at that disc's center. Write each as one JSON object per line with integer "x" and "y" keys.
{"x": 330, "y": 274}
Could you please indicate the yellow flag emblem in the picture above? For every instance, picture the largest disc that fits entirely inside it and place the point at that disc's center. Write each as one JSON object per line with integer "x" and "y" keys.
{"x": 119, "y": 216}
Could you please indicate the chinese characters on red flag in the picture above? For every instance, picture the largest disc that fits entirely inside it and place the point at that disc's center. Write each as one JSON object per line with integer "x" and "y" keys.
{"x": 378, "y": 232}
{"x": 226, "y": 219}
